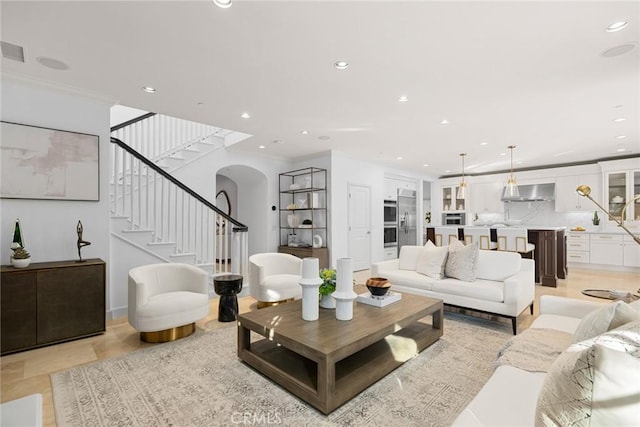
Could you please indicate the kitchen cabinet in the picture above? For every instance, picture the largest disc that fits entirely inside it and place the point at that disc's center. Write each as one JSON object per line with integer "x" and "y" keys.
{"x": 449, "y": 201}
{"x": 390, "y": 253}
{"x": 619, "y": 188}
{"x": 607, "y": 249}
{"x": 630, "y": 252}
{"x": 392, "y": 186}
{"x": 578, "y": 247}
{"x": 303, "y": 213}
{"x": 485, "y": 197}
{"x": 51, "y": 302}
{"x": 568, "y": 200}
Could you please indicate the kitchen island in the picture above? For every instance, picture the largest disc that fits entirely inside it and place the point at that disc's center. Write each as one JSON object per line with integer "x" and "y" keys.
{"x": 550, "y": 255}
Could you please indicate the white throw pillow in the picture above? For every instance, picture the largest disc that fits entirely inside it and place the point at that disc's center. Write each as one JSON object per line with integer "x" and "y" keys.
{"x": 409, "y": 257}
{"x": 431, "y": 260}
{"x": 577, "y": 386}
{"x": 461, "y": 262}
{"x": 604, "y": 319}
{"x": 635, "y": 305}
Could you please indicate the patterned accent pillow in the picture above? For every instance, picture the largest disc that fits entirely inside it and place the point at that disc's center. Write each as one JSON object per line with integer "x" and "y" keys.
{"x": 604, "y": 319}
{"x": 461, "y": 262}
{"x": 431, "y": 260}
{"x": 587, "y": 384}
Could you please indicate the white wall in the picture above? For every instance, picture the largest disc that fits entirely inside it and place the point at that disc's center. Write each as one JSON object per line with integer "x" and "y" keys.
{"x": 49, "y": 226}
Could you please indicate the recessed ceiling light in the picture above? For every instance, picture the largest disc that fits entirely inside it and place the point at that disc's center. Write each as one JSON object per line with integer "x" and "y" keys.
{"x": 341, "y": 65}
{"x": 447, "y": 171}
{"x": 617, "y": 26}
{"x": 403, "y": 98}
{"x": 304, "y": 132}
{"x": 222, "y": 3}
{"x": 519, "y": 162}
{"x": 618, "y": 50}
{"x": 484, "y": 143}
{"x": 503, "y": 154}
{"x": 278, "y": 141}
{"x": 52, "y": 63}
{"x": 261, "y": 147}
{"x": 444, "y": 122}
{"x": 245, "y": 115}
{"x": 324, "y": 137}
{"x": 621, "y": 136}
{"x": 426, "y": 165}
{"x": 620, "y": 119}
{"x": 149, "y": 89}
{"x": 399, "y": 158}
{"x": 619, "y": 106}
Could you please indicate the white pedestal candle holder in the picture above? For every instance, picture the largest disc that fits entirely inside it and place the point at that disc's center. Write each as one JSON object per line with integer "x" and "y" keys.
{"x": 344, "y": 294}
{"x": 310, "y": 282}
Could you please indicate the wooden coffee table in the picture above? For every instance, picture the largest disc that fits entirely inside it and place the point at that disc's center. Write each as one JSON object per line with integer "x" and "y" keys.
{"x": 328, "y": 361}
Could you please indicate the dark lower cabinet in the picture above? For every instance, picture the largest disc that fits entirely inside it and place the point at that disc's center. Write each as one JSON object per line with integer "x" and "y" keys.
{"x": 51, "y": 302}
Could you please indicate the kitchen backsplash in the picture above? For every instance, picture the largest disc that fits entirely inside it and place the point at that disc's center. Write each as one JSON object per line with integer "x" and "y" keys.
{"x": 543, "y": 213}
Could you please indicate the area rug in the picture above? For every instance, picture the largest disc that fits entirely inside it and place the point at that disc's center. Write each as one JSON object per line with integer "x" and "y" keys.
{"x": 199, "y": 381}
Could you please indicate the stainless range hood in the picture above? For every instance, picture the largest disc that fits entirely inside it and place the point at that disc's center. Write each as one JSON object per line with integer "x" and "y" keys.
{"x": 532, "y": 193}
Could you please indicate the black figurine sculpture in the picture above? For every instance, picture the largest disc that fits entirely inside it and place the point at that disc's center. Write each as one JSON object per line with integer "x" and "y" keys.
{"x": 81, "y": 242}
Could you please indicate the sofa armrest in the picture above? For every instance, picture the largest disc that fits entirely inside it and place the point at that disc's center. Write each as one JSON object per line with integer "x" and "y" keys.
{"x": 378, "y": 268}
{"x": 571, "y": 307}
{"x": 520, "y": 289}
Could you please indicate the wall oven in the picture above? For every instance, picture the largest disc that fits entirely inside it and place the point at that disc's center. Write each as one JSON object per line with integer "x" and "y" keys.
{"x": 390, "y": 212}
{"x": 390, "y": 235}
{"x": 453, "y": 219}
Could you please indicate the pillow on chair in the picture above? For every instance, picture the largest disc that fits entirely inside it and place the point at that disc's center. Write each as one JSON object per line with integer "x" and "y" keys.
{"x": 604, "y": 319}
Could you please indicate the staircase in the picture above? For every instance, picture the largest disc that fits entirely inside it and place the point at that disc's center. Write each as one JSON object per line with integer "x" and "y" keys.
{"x": 157, "y": 214}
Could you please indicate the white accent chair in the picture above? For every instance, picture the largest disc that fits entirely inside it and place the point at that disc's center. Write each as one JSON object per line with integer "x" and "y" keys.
{"x": 444, "y": 235}
{"x": 514, "y": 239}
{"x": 482, "y": 235}
{"x": 166, "y": 299}
{"x": 274, "y": 277}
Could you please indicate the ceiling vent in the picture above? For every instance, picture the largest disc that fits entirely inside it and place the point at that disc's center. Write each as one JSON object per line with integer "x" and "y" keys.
{"x": 12, "y": 51}
{"x": 618, "y": 50}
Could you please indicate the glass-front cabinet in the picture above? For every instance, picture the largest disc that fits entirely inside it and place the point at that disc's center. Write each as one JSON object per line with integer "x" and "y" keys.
{"x": 449, "y": 200}
{"x": 621, "y": 187}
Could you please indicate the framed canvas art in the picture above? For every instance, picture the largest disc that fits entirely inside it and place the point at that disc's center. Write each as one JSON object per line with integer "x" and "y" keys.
{"x": 43, "y": 163}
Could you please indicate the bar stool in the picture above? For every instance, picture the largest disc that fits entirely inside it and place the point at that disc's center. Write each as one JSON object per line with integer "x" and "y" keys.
{"x": 444, "y": 235}
{"x": 482, "y": 235}
{"x": 514, "y": 239}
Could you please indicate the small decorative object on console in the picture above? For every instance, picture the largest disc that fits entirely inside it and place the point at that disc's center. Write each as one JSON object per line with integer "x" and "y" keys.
{"x": 81, "y": 242}
{"x": 20, "y": 258}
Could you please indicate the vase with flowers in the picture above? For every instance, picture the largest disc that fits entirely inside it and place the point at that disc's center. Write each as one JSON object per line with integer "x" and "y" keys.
{"x": 21, "y": 258}
{"x": 328, "y": 286}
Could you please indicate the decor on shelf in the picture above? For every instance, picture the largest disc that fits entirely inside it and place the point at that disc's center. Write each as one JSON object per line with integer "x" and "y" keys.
{"x": 293, "y": 220}
{"x": 378, "y": 286}
{"x": 462, "y": 189}
{"x": 310, "y": 282}
{"x": 81, "y": 242}
{"x": 512, "y": 187}
{"x": 585, "y": 191}
{"x": 596, "y": 219}
{"x": 344, "y": 294}
{"x": 427, "y": 217}
{"x": 328, "y": 276}
{"x": 31, "y": 153}
{"x": 20, "y": 258}
{"x": 317, "y": 241}
{"x": 17, "y": 241}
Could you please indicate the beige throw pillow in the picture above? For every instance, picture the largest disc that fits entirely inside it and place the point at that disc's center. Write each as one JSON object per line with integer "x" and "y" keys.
{"x": 431, "y": 260}
{"x": 461, "y": 262}
{"x": 589, "y": 385}
{"x": 604, "y": 319}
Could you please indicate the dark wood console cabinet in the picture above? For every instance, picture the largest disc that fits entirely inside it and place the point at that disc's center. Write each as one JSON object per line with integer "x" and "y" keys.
{"x": 51, "y": 302}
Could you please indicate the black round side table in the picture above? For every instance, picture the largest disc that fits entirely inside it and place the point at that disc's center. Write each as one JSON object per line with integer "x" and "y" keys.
{"x": 228, "y": 287}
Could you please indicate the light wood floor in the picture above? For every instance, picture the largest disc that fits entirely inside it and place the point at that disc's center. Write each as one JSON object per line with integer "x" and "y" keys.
{"x": 28, "y": 372}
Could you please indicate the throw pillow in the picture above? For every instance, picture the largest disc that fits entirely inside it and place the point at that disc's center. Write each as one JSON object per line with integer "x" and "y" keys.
{"x": 409, "y": 257}
{"x": 604, "y": 319}
{"x": 635, "y": 305}
{"x": 431, "y": 260}
{"x": 584, "y": 372}
{"x": 461, "y": 262}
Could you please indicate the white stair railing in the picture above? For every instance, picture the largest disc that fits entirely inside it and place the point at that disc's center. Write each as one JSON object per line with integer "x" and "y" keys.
{"x": 154, "y": 201}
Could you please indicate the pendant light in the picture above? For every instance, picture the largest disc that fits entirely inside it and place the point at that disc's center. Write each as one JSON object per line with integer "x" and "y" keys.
{"x": 512, "y": 187}
{"x": 462, "y": 189}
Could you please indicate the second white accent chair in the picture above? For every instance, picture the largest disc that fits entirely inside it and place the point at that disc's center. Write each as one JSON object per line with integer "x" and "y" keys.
{"x": 444, "y": 235}
{"x": 482, "y": 235}
{"x": 514, "y": 239}
{"x": 274, "y": 277}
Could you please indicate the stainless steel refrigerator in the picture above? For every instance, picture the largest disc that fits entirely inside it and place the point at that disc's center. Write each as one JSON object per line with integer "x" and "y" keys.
{"x": 406, "y": 218}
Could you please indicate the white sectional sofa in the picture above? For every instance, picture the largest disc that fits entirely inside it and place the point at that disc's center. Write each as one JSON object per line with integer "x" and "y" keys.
{"x": 516, "y": 397}
{"x": 503, "y": 285}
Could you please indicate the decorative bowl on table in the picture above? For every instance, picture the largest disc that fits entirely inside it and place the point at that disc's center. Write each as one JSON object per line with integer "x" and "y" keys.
{"x": 378, "y": 286}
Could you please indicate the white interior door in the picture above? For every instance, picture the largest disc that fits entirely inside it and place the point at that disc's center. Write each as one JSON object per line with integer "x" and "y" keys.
{"x": 360, "y": 226}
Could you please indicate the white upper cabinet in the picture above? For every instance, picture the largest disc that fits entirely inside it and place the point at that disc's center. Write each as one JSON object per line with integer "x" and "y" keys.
{"x": 620, "y": 188}
{"x": 391, "y": 187}
{"x": 485, "y": 197}
{"x": 568, "y": 200}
